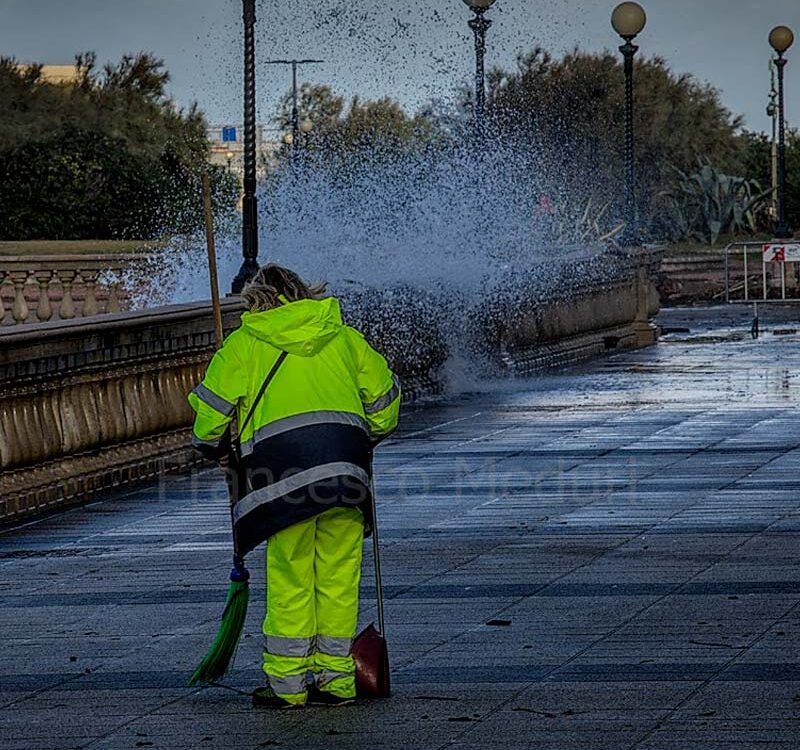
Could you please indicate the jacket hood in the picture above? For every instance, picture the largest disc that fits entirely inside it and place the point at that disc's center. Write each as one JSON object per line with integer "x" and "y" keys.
{"x": 302, "y": 328}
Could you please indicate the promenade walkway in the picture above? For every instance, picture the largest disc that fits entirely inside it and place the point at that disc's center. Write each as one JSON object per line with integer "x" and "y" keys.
{"x": 605, "y": 559}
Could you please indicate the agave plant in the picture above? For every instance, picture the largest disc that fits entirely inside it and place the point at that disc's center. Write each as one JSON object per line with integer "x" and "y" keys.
{"x": 708, "y": 203}
{"x": 585, "y": 225}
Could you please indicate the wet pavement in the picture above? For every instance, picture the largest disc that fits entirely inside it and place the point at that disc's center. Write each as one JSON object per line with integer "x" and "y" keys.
{"x": 604, "y": 558}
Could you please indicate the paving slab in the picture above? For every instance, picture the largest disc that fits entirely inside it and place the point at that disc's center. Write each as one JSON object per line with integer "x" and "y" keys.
{"x": 604, "y": 557}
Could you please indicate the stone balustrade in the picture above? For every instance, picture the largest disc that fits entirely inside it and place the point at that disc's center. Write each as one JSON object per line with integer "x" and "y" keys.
{"x": 99, "y": 402}
{"x": 40, "y": 288}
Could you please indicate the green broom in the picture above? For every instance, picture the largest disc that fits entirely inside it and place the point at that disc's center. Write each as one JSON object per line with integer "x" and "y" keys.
{"x": 220, "y": 656}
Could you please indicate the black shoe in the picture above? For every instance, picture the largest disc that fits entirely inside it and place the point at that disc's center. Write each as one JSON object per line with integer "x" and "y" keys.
{"x": 317, "y": 697}
{"x": 265, "y": 698}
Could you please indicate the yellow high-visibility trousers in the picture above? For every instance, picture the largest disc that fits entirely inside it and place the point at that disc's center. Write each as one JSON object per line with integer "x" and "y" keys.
{"x": 313, "y": 573}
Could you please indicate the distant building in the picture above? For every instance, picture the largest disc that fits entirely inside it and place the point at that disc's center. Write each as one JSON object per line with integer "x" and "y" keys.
{"x": 60, "y": 74}
{"x": 227, "y": 147}
{"x": 57, "y": 74}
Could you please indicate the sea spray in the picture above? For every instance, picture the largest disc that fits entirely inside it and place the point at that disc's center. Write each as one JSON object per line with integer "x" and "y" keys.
{"x": 435, "y": 248}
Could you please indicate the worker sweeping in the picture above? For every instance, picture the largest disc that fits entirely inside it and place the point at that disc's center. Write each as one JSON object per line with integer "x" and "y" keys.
{"x": 306, "y": 461}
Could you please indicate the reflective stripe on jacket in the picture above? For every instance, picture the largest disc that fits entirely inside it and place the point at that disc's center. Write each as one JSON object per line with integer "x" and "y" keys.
{"x": 308, "y": 444}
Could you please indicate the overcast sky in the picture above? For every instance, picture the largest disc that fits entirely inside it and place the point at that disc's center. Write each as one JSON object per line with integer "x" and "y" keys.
{"x": 413, "y": 50}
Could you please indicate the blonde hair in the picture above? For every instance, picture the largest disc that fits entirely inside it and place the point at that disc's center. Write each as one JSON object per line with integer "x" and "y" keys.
{"x": 271, "y": 281}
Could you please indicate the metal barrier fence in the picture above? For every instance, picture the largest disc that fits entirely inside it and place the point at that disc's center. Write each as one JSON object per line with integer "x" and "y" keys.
{"x": 778, "y": 276}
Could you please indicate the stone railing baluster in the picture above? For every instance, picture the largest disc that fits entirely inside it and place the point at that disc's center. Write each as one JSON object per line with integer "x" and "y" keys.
{"x": 112, "y": 305}
{"x": 90, "y": 308}
{"x": 3, "y": 281}
{"x": 67, "y": 309}
{"x": 20, "y": 309}
{"x": 44, "y": 308}
{"x": 113, "y": 285}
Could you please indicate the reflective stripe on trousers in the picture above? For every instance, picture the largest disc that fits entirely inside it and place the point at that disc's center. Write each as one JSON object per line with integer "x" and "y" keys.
{"x": 333, "y": 646}
{"x": 313, "y": 572}
{"x": 290, "y": 688}
{"x": 298, "y": 648}
{"x": 328, "y": 676}
{"x": 301, "y": 647}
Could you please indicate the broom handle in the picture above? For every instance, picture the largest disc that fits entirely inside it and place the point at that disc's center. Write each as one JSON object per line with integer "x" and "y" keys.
{"x": 376, "y": 553}
{"x": 212, "y": 258}
{"x": 216, "y": 309}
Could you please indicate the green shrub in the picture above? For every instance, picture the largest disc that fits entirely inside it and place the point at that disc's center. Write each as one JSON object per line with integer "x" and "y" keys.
{"x": 105, "y": 157}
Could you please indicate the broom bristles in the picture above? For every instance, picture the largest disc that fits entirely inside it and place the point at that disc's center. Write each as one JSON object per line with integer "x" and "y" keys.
{"x": 220, "y": 656}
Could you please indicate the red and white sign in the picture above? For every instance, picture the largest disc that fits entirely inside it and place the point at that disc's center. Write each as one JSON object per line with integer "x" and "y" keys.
{"x": 786, "y": 253}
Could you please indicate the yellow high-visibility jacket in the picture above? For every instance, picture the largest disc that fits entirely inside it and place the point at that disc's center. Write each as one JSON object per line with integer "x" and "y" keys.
{"x": 308, "y": 445}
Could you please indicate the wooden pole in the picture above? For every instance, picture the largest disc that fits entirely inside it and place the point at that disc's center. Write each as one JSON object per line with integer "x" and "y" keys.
{"x": 212, "y": 258}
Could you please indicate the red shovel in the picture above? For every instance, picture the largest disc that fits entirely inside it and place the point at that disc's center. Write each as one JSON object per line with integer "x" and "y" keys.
{"x": 370, "y": 652}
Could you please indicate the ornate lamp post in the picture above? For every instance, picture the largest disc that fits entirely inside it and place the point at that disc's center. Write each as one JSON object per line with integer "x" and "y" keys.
{"x": 480, "y": 25}
{"x": 772, "y": 113}
{"x": 249, "y": 202}
{"x": 781, "y": 38}
{"x": 628, "y": 19}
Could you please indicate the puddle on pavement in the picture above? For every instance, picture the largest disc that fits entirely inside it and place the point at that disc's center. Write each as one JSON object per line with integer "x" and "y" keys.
{"x": 722, "y": 366}
{"x": 716, "y": 337}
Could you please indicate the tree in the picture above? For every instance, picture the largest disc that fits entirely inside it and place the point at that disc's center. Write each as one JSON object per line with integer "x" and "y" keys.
{"x": 106, "y": 156}
{"x": 361, "y": 125}
{"x": 754, "y": 159}
{"x": 569, "y": 114}
{"x": 316, "y": 102}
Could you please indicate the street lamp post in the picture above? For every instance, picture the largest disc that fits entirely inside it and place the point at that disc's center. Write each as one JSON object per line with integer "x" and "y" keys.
{"x": 781, "y": 38}
{"x": 480, "y": 25}
{"x": 296, "y": 125}
{"x": 628, "y": 20}
{"x": 249, "y": 202}
{"x": 772, "y": 113}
